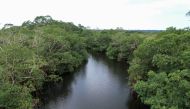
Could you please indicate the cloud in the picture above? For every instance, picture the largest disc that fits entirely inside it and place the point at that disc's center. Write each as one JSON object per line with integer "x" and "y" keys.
{"x": 129, "y": 14}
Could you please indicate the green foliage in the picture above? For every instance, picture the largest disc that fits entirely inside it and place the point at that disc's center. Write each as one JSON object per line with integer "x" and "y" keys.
{"x": 43, "y": 19}
{"x": 165, "y": 91}
{"x": 20, "y": 66}
{"x": 116, "y": 44}
{"x": 164, "y": 53}
{"x": 99, "y": 41}
{"x": 160, "y": 70}
{"x": 36, "y": 52}
{"x": 15, "y": 97}
{"x": 159, "y": 63}
{"x": 45, "y": 49}
{"x": 122, "y": 47}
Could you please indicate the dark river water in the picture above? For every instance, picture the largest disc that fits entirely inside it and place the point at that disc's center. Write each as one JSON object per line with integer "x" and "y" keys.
{"x": 99, "y": 84}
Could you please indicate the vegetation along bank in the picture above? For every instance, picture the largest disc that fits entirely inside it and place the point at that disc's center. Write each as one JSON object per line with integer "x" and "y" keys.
{"x": 44, "y": 50}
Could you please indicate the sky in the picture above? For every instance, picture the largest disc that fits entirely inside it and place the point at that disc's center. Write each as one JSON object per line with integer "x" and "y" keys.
{"x": 102, "y": 14}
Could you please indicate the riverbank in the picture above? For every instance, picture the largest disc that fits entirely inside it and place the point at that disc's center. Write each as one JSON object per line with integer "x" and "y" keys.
{"x": 100, "y": 84}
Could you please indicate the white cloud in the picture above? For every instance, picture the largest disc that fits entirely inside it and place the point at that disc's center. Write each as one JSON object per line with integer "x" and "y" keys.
{"x": 129, "y": 14}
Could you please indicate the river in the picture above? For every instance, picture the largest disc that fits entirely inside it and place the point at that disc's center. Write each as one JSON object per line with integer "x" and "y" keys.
{"x": 99, "y": 84}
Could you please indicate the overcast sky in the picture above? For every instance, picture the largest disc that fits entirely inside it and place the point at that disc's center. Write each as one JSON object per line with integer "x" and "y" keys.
{"x": 103, "y": 14}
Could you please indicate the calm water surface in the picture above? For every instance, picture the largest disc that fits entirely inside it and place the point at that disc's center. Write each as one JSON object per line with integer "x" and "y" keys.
{"x": 100, "y": 84}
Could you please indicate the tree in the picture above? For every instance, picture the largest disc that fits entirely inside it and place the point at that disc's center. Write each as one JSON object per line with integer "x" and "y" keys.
{"x": 43, "y": 19}
{"x": 8, "y": 25}
{"x": 19, "y": 65}
{"x": 166, "y": 91}
{"x": 121, "y": 48}
{"x": 15, "y": 97}
{"x": 159, "y": 54}
{"x": 36, "y": 52}
{"x": 159, "y": 71}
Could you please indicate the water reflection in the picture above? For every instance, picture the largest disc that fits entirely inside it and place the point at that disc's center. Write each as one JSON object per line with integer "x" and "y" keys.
{"x": 100, "y": 84}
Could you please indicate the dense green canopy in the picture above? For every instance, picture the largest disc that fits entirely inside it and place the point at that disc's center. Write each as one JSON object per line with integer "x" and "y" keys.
{"x": 34, "y": 53}
{"x": 44, "y": 50}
